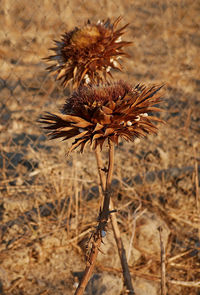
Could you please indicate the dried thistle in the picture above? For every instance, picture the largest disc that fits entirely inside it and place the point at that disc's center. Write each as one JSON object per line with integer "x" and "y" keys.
{"x": 86, "y": 55}
{"x": 96, "y": 113}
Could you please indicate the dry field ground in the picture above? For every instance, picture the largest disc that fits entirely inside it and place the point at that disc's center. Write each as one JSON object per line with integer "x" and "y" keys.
{"x": 49, "y": 202}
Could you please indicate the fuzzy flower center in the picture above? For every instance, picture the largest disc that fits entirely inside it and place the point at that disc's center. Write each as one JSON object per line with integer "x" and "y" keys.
{"x": 85, "y": 37}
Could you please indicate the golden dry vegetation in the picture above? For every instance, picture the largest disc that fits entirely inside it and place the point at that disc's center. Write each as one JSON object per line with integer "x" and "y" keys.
{"x": 49, "y": 202}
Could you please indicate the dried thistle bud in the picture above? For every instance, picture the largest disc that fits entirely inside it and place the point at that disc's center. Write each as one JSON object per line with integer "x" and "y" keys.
{"x": 86, "y": 55}
{"x": 96, "y": 113}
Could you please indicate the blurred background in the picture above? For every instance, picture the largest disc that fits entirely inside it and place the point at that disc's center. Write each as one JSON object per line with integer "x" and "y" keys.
{"x": 49, "y": 202}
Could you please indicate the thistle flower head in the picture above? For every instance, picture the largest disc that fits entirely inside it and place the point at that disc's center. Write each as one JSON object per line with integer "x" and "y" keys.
{"x": 86, "y": 55}
{"x": 94, "y": 114}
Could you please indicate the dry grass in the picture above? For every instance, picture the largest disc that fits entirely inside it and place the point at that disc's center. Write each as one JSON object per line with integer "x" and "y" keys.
{"x": 49, "y": 203}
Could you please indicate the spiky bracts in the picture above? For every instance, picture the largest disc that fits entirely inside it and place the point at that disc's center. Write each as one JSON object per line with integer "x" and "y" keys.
{"x": 95, "y": 113}
{"x": 86, "y": 55}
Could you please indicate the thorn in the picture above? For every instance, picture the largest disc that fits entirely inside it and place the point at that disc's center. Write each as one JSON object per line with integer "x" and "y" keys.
{"x": 104, "y": 169}
{"x": 101, "y": 251}
{"x": 113, "y": 211}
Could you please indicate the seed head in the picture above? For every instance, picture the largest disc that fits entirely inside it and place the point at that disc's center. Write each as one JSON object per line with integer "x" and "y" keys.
{"x": 86, "y": 55}
{"x": 94, "y": 114}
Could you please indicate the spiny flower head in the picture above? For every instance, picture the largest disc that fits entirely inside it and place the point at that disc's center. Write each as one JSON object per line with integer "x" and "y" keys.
{"x": 96, "y": 113}
{"x": 86, "y": 55}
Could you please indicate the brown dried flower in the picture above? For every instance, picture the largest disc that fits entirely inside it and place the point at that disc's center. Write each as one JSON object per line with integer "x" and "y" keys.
{"x": 86, "y": 55}
{"x": 96, "y": 113}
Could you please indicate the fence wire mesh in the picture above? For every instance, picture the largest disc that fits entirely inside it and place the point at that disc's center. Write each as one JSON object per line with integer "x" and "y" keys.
{"x": 38, "y": 181}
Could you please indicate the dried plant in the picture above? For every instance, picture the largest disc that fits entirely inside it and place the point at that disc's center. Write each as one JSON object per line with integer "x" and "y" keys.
{"x": 99, "y": 111}
{"x": 87, "y": 54}
{"x": 92, "y": 115}
{"x": 96, "y": 113}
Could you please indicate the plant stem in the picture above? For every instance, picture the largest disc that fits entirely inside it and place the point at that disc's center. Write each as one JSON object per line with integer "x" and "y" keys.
{"x": 89, "y": 267}
{"x": 102, "y": 175}
{"x": 118, "y": 239}
{"x": 107, "y": 191}
{"x": 163, "y": 267}
{"x": 110, "y": 166}
{"x": 103, "y": 219}
{"x": 122, "y": 253}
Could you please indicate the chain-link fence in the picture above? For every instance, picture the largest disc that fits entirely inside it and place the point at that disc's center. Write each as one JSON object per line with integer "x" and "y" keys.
{"x": 37, "y": 180}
